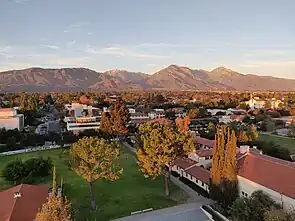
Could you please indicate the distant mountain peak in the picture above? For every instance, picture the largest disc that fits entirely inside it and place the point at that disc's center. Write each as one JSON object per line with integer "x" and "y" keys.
{"x": 222, "y": 68}
{"x": 173, "y": 77}
{"x": 115, "y": 71}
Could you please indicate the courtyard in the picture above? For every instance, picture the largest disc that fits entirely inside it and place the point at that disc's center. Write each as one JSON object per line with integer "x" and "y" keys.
{"x": 132, "y": 192}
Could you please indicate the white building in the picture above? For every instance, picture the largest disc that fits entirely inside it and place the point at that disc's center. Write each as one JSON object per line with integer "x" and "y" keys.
{"x": 188, "y": 169}
{"x": 9, "y": 119}
{"x": 256, "y": 171}
{"x": 257, "y": 103}
{"x": 156, "y": 113}
{"x": 82, "y": 117}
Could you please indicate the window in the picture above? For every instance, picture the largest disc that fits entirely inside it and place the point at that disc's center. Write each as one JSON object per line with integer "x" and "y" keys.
{"x": 244, "y": 194}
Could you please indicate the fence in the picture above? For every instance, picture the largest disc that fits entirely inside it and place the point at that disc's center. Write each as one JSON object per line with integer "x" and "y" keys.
{"x": 33, "y": 149}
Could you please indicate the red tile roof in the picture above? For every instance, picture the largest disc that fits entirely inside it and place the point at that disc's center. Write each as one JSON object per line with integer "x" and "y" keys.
{"x": 184, "y": 162}
{"x": 190, "y": 167}
{"x": 273, "y": 173}
{"x": 200, "y": 173}
{"x": 204, "y": 153}
{"x": 204, "y": 141}
{"x": 26, "y": 206}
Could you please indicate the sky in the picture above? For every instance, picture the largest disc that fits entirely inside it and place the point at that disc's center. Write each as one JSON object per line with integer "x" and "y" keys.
{"x": 250, "y": 36}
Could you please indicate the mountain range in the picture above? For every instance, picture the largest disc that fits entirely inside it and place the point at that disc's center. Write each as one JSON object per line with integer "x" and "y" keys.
{"x": 171, "y": 78}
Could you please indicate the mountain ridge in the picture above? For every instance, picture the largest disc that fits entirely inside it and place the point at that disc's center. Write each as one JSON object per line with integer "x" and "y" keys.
{"x": 173, "y": 77}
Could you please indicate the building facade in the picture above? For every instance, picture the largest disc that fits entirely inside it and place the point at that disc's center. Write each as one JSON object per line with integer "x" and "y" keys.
{"x": 9, "y": 119}
{"x": 82, "y": 117}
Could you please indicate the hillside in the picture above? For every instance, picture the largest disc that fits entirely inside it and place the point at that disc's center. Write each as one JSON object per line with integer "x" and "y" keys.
{"x": 171, "y": 78}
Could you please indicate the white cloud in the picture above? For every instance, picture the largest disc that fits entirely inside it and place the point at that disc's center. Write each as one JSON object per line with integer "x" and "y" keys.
{"x": 71, "y": 43}
{"x": 120, "y": 51}
{"x": 76, "y": 25}
{"x": 53, "y": 47}
{"x": 19, "y": 1}
{"x": 90, "y": 33}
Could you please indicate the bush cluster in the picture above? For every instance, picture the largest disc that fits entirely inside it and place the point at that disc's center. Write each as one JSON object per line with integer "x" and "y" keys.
{"x": 27, "y": 171}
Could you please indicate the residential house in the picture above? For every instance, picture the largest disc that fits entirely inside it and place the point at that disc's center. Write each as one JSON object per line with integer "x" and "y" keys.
{"x": 22, "y": 202}
{"x": 258, "y": 103}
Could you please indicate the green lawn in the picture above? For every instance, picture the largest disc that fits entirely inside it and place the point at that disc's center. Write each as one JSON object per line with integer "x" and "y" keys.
{"x": 282, "y": 141}
{"x": 130, "y": 193}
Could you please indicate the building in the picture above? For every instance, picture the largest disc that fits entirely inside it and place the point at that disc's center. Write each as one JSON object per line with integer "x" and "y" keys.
{"x": 203, "y": 143}
{"x": 156, "y": 113}
{"x": 256, "y": 171}
{"x": 82, "y": 117}
{"x": 22, "y": 202}
{"x": 188, "y": 169}
{"x": 257, "y": 103}
{"x": 203, "y": 158}
{"x": 9, "y": 119}
{"x": 271, "y": 175}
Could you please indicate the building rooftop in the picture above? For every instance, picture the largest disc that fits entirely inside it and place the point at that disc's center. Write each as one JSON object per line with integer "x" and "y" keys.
{"x": 273, "y": 173}
{"x": 204, "y": 141}
{"x": 191, "y": 168}
{"x": 25, "y": 206}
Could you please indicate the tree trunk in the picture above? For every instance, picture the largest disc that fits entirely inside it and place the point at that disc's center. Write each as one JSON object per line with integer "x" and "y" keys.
{"x": 92, "y": 200}
{"x": 167, "y": 181}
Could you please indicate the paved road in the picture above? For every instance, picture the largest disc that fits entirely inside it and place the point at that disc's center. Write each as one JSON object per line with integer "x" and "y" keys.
{"x": 184, "y": 212}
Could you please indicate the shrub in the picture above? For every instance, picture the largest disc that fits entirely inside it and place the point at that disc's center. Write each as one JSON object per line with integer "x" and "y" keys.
{"x": 14, "y": 171}
{"x": 38, "y": 167}
{"x": 28, "y": 171}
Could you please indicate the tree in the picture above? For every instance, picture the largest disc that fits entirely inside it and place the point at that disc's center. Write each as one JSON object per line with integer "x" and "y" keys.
{"x": 292, "y": 130}
{"x": 223, "y": 183}
{"x": 193, "y": 113}
{"x": 14, "y": 171}
{"x": 252, "y": 208}
{"x": 57, "y": 208}
{"x": 161, "y": 145}
{"x": 182, "y": 124}
{"x": 242, "y": 137}
{"x": 252, "y": 133}
{"x": 18, "y": 171}
{"x": 279, "y": 215}
{"x": 106, "y": 125}
{"x": 93, "y": 159}
{"x": 120, "y": 117}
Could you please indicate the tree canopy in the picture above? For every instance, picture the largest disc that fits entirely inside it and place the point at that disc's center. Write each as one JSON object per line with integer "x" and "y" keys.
{"x": 161, "y": 146}
{"x": 93, "y": 159}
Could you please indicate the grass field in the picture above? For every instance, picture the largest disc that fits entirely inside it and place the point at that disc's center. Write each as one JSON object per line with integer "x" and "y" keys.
{"x": 130, "y": 193}
{"x": 282, "y": 141}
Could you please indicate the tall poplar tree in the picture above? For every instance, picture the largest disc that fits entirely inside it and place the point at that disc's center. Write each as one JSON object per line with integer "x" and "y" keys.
{"x": 57, "y": 208}
{"x": 223, "y": 183}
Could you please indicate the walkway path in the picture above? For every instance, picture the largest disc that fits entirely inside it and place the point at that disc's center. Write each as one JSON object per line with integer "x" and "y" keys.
{"x": 183, "y": 212}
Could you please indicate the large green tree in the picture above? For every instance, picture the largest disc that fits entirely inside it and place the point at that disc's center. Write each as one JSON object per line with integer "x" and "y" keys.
{"x": 93, "y": 159}
{"x": 252, "y": 208}
{"x": 161, "y": 145}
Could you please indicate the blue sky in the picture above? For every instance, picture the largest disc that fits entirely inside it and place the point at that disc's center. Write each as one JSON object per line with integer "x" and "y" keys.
{"x": 147, "y": 35}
